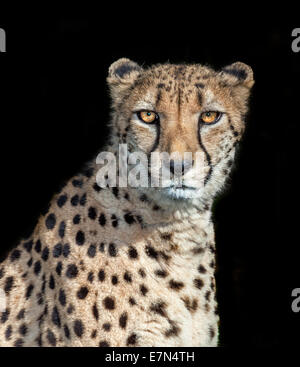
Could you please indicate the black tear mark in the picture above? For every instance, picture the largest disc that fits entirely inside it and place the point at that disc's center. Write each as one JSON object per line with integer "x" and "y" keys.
{"x": 208, "y": 159}
{"x": 238, "y": 73}
{"x": 200, "y": 99}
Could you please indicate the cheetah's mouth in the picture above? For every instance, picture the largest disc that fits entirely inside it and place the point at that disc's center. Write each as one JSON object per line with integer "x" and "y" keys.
{"x": 180, "y": 192}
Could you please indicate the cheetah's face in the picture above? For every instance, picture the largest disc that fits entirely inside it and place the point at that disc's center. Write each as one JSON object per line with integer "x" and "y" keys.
{"x": 191, "y": 112}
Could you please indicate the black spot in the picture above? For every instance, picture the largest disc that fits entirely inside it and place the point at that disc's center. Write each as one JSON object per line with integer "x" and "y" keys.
{"x": 123, "y": 320}
{"x": 127, "y": 277}
{"x": 211, "y": 332}
{"x": 66, "y": 250}
{"x": 175, "y": 285}
{"x": 131, "y": 340}
{"x": 144, "y": 290}
{"x": 29, "y": 262}
{"x": 102, "y": 219}
{"x": 61, "y": 230}
{"x": 51, "y": 282}
{"x": 132, "y": 301}
{"x": 114, "y": 221}
{"x": 62, "y": 200}
{"x": 129, "y": 218}
{"x": 96, "y": 187}
{"x": 207, "y": 295}
{"x": 198, "y": 283}
{"x": 38, "y": 246}
{"x": 78, "y": 328}
{"x": 23, "y": 329}
{"x": 28, "y": 245}
{"x": 50, "y": 221}
{"x": 72, "y": 271}
{"x": 29, "y": 290}
{"x": 106, "y": 326}
{"x": 83, "y": 200}
{"x": 142, "y": 273}
{"x": 62, "y": 297}
{"x": 112, "y": 250}
{"x": 51, "y": 338}
{"x": 57, "y": 250}
{"x": 21, "y": 314}
{"x": 109, "y": 303}
{"x": 70, "y": 309}
{"x": 114, "y": 280}
{"x": 94, "y": 334}
{"x": 15, "y": 255}
{"x": 103, "y": 343}
{"x": 80, "y": 238}
{"x": 115, "y": 191}
{"x": 77, "y": 183}
{"x": 95, "y": 311}
{"x": 160, "y": 273}
{"x": 82, "y": 292}
{"x": 159, "y": 308}
{"x": 151, "y": 252}
{"x": 101, "y": 275}
{"x": 18, "y": 343}
{"x": 92, "y": 213}
{"x": 173, "y": 331}
{"x": 76, "y": 219}
{"x": 156, "y": 207}
{"x": 45, "y": 254}
{"x": 132, "y": 252}
{"x": 92, "y": 250}
{"x": 90, "y": 277}
{"x": 4, "y": 316}
{"x": 1, "y": 273}
{"x": 67, "y": 331}
{"x": 8, "y": 332}
{"x": 101, "y": 247}
{"x": 37, "y": 267}
{"x": 201, "y": 269}
{"x": 8, "y": 284}
{"x": 58, "y": 268}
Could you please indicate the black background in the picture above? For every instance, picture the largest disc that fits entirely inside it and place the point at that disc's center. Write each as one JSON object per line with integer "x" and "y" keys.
{"x": 54, "y": 112}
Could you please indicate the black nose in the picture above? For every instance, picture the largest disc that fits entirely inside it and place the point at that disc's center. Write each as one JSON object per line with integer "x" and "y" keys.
{"x": 180, "y": 167}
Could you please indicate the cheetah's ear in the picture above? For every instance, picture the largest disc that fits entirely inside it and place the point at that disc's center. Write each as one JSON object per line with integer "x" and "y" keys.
{"x": 121, "y": 75}
{"x": 238, "y": 74}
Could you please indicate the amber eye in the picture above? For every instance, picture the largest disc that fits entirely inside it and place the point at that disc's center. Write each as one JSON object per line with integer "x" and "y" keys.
{"x": 210, "y": 117}
{"x": 147, "y": 116}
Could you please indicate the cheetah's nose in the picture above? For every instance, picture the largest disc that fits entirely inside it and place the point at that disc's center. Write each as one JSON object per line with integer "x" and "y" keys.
{"x": 180, "y": 167}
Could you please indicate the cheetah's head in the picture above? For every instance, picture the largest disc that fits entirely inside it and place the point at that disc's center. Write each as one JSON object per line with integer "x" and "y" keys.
{"x": 191, "y": 112}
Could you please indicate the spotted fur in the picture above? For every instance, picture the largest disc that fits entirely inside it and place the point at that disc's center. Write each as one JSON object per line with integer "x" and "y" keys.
{"x": 132, "y": 266}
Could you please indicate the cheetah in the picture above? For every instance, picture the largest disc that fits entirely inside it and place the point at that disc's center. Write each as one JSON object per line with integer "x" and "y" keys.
{"x": 119, "y": 265}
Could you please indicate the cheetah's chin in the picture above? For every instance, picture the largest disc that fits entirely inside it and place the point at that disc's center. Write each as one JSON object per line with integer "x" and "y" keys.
{"x": 181, "y": 193}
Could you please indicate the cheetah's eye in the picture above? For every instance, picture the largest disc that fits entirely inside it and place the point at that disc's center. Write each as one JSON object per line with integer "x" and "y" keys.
{"x": 210, "y": 117}
{"x": 147, "y": 116}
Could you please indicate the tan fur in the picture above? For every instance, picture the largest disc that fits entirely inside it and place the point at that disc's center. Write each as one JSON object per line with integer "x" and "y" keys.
{"x": 154, "y": 256}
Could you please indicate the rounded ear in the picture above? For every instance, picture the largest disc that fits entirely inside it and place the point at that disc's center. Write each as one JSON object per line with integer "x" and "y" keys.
{"x": 238, "y": 73}
{"x": 121, "y": 75}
